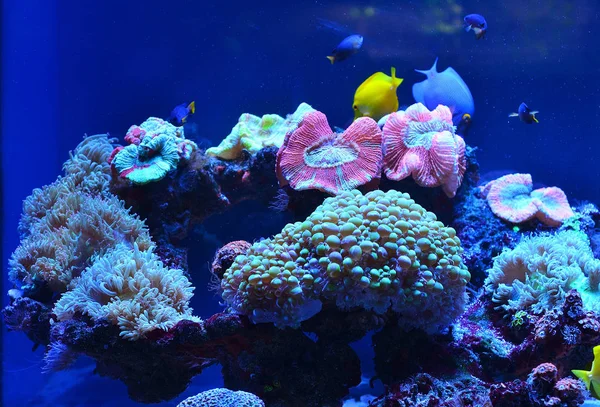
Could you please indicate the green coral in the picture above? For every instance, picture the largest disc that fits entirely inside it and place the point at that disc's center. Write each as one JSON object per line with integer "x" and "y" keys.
{"x": 537, "y": 274}
{"x": 377, "y": 251}
{"x": 253, "y": 133}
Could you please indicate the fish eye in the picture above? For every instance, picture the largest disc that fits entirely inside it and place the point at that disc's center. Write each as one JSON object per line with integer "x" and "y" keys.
{"x": 354, "y": 107}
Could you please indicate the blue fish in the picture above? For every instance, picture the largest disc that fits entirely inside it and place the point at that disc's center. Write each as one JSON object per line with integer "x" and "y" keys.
{"x": 476, "y": 23}
{"x": 445, "y": 88}
{"x": 525, "y": 114}
{"x": 181, "y": 112}
{"x": 348, "y": 47}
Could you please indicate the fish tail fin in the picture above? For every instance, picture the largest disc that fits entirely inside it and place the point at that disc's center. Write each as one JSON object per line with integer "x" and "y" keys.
{"x": 428, "y": 72}
{"x": 534, "y": 118}
{"x": 331, "y": 58}
{"x": 513, "y": 115}
{"x": 192, "y": 107}
{"x": 583, "y": 375}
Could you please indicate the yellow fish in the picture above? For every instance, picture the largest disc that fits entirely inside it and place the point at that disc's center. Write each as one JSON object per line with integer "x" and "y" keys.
{"x": 591, "y": 377}
{"x": 376, "y": 96}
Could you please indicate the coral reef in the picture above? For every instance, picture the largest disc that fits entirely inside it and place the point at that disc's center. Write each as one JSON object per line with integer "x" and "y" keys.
{"x": 422, "y": 144}
{"x": 61, "y": 244}
{"x": 222, "y": 398}
{"x": 375, "y": 251}
{"x": 253, "y": 133}
{"x": 131, "y": 289}
{"x": 156, "y": 148}
{"x": 314, "y": 157}
{"x": 511, "y": 198}
{"x": 87, "y": 170}
{"x": 226, "y": 255}
{"x": 542, "y": 389}
{"x": 538, "y": 273}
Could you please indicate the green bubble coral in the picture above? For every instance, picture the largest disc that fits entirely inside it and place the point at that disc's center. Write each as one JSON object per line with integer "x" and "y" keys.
{"x": 253, "y": 133}
{"x": 132, "y": 289}
{"x": 377, "y": 251}
{"x": 537, "y": 274}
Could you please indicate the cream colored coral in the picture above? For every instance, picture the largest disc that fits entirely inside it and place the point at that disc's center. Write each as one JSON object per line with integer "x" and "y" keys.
{"x": 132, "y": 289}
{"x": 86, "y": 170}
{"x": 76, "y": 227}
{"x": 536, "y": 275}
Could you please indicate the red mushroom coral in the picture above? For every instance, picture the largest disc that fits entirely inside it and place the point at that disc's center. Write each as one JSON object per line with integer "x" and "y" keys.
{"x": 511, "y": 198}
{"x": 314, "y": 157}
{"x": 422, "y": 144}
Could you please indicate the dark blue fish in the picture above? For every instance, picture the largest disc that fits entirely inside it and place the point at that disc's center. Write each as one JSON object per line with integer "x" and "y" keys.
{"x": 463, "y": 126}
{"x": 181, "y": 112}
{"x": 348, "y": 47}
{"x": 476, "y": 23}
{"x": 525, "y": 114}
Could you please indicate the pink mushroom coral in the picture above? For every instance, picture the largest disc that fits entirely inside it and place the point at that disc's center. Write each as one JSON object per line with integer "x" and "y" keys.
{"x": 422, "y": 144}
{"x": 511, "y": 198}
{"x": 314, "y": 157}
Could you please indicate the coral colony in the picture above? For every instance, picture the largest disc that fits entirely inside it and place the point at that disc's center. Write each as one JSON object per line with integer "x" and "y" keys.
{"x": 480, "y": 295}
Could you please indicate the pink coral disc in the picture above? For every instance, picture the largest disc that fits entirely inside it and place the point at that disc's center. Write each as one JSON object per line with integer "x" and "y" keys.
{"x": 422, "y": 144}
{"x": 553, "y": 206}
{"x": 314, "y": 157}
{"x": 509, "y": 198}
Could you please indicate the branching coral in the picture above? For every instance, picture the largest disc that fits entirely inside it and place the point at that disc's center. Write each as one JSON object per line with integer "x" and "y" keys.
{"x": 314, "y": 157}
{"x": 76, "y": 227}
{"x": 132, "y": 289}
{"x": 537, "y": 274}
{"x": 377, "y": 251}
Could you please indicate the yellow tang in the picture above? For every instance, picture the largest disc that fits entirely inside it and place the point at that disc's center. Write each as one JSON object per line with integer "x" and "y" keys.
{"x": 376, "y": 96}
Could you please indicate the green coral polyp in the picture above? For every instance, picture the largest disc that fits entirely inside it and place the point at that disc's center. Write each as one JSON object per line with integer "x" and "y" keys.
{"x": 378, "y": 251}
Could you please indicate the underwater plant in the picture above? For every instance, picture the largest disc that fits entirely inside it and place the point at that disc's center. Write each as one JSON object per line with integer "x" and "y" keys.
{"x": 315, "y": 157}
{"x": 253, "y": 133}
{"x": 377, "y": 252}
{"x": 422, "y": 144}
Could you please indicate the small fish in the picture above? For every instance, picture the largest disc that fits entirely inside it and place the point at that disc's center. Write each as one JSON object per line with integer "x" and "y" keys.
{"x": 591, "y": 378}
{"x": 348, "y": 47}
{"x": 525, "y": 114}
{"x": 181, "y": 112}
{"x": 463, "y": 126}
{"x": 444, "y": 88}
{"x": 476, "y": 23}
{"x": 376, "y": 96}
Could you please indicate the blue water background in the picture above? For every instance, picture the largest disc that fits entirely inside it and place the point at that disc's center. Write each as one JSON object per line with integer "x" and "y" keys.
{"x": 74, "y": 67}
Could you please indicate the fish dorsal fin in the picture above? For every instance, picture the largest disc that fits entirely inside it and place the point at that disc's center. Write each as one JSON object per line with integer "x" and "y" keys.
{"x": 429, "y": 72}
{"x": 395, "y": 81}
{"x": 583, "y": 375}
{"x": 192, "y": 107}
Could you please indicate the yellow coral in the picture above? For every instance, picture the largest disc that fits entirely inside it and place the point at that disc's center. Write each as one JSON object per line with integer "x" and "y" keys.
{"x": 253, "y": 133}
{"x": 132, "y": 289}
